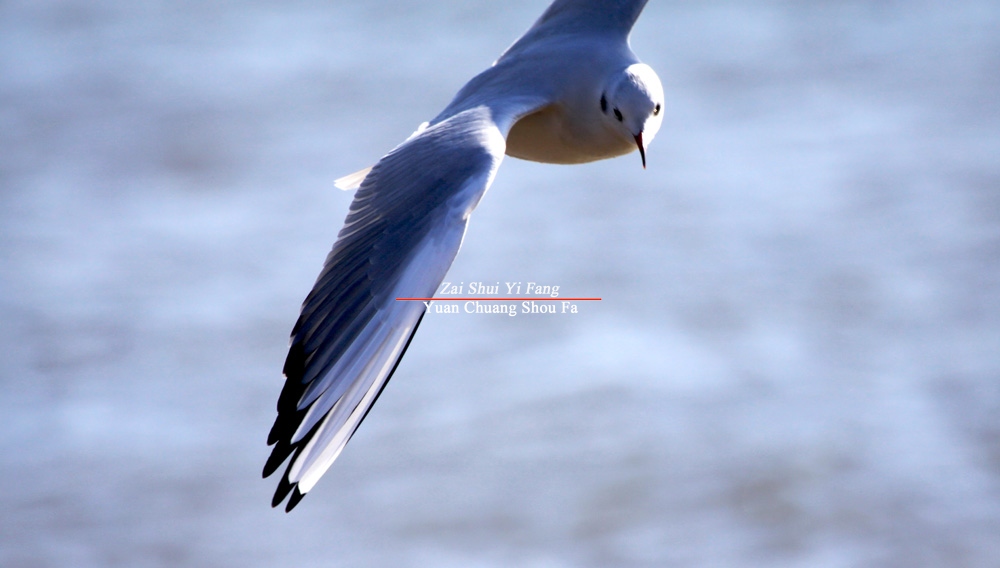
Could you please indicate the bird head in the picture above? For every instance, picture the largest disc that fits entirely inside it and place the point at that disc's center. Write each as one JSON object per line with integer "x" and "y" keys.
{"x": 633, "y": 103}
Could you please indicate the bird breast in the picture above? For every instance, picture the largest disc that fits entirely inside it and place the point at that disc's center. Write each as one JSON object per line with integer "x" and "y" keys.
{"x": 550, "y": 135}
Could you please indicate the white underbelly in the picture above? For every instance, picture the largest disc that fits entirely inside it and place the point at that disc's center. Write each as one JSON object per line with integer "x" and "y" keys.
{"x": 545, "y": 136}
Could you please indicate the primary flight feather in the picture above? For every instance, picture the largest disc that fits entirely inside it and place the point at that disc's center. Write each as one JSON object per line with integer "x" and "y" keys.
{"x": 570, "y": 90}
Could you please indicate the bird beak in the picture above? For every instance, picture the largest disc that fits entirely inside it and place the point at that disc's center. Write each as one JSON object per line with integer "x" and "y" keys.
{"x": 642, "y": 151}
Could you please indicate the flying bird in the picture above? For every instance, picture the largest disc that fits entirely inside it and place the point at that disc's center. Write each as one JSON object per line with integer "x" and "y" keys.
{"x": 569, "y": 91}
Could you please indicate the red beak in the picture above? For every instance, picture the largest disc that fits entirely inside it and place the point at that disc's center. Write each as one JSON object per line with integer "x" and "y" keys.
{"x": 642, "y": 151}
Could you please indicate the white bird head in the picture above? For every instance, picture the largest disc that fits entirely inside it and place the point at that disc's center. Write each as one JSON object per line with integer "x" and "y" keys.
{"x": 633, "y": 103}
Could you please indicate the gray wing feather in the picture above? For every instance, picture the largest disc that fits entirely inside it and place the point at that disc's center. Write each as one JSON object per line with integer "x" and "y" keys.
{"x": 575, "y": 16}
{"x": 402, "y": 232}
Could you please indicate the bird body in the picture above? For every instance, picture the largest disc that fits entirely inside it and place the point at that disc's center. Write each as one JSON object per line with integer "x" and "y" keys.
{"x": 569, "y": 91}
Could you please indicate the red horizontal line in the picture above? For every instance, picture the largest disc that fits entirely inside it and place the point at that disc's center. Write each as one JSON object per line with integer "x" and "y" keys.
{"x": 499, "y": 299}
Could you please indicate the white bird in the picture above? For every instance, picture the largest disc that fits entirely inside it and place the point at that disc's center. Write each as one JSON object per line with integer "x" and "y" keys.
{"x": 570, "y": 90}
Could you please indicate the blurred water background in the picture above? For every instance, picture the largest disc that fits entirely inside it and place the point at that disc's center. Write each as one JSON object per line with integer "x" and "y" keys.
{"x": 796, "y": 361}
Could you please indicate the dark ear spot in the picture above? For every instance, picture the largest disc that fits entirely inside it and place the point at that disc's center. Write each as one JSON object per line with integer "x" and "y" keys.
{"x": 618, "y": 115}
{"x": 604, "y": 103}
{"x": 656, "y": 109}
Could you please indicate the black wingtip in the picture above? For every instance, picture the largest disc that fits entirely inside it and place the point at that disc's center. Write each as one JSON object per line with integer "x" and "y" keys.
{"x": 294, "y": 499}
{"x": 275, "y": 434}
{"x": 277, "y": 457}
{"x": 271, "y": 466}
{"x": 282, "y": 491}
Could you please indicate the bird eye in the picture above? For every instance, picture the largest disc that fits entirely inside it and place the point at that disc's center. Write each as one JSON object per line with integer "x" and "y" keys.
{"x": 656, "y": 109}
{"x": 604, "y": 103}
{"x": 618, "y": 115}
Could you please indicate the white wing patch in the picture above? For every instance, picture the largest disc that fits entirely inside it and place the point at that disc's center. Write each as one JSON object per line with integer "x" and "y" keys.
{"x": 350, "y": 182}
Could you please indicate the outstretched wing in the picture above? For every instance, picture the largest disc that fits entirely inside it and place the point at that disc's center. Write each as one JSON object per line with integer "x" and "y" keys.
{"x": 605, "y": 17}
{"x": 402, "y": 233}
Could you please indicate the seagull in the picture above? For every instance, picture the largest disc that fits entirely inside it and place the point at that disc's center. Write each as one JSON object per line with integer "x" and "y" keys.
{"x": 569, "y": 91}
